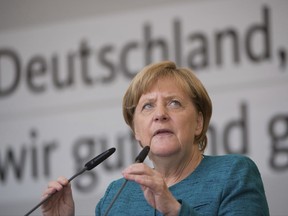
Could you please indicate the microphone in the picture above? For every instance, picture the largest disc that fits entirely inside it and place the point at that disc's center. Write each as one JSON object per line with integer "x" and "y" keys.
{"x": 139, "y": 159}
{"x": 88, "y": 166}
{"x": 142, "y": 155}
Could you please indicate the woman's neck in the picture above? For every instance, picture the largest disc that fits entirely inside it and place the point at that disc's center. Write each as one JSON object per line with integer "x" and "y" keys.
{"x": 174, "y": 170}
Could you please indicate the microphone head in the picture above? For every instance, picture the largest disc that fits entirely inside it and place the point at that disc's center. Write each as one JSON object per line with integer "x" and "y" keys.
{"x": 142, "y": 155}
{"x": 99, "y": 159}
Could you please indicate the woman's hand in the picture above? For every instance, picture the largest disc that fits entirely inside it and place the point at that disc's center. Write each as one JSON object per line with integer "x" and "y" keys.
{"x": 62, "y": 202}
{"x": 154, "y": 187}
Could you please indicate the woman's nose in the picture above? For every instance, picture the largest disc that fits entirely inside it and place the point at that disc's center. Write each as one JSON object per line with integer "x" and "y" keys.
{"x": 161, "y": 114}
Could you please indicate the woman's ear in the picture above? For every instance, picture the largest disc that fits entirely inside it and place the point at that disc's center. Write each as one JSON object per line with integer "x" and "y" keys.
{"x": 140, "y": 143}
{"x": 199, "y": 122}
{"x": 137, "y": 136}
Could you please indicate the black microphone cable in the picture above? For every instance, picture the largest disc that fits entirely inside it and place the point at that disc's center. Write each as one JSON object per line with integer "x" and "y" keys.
{"x": 139, "y": 159}
{"x": 88, "y": 166}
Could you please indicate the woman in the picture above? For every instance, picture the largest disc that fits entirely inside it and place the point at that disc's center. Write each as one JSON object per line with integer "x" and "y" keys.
{"x": 169, "y": 110}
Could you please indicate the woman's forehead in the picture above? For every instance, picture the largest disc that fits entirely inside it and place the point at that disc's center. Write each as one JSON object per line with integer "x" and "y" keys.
{"x": 166, "y": 88}
{"x": 166, "y": 83}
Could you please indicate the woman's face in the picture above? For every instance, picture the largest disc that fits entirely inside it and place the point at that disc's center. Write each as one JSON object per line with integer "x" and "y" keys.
{"x": 166, "y": 119}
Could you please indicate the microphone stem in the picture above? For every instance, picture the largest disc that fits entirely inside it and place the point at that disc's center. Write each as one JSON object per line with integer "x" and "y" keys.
{"x": 115, "y": 197}
{"x": 77, "y": 174}
{"x": 39, "y": 204}
{"x": 139, "y": 159}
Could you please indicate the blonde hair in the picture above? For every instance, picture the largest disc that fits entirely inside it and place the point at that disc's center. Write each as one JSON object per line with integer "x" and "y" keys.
{"x": 184, "y": 77}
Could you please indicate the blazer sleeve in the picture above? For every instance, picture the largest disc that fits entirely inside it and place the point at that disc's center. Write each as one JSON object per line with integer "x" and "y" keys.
{"x": 243, "y": 193}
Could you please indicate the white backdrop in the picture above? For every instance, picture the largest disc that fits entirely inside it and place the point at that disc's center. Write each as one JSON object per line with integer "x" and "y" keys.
{"x": 61, "y": 88}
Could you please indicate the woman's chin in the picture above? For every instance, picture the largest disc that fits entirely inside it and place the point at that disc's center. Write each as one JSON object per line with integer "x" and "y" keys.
{"x": 163, "y": 150}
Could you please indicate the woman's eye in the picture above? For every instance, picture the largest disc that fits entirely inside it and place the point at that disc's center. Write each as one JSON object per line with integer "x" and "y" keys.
{"x": 175, "y": 103}
{"x": 147, "y": 106}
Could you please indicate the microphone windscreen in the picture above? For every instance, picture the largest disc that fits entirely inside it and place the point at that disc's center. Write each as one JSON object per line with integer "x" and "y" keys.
{"x": 99, "y": 159}
{"x": 142, "y": 155}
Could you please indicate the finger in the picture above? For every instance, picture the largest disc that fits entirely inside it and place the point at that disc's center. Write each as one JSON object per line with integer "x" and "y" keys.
{"x": 146, "y": 181}
{"x": 48, "y": 192}
{"x": 56, "y": 185}
{"x": 63, "y": 180}
{"x": 137, "y": 169}
{"x": 59, "y": 183}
